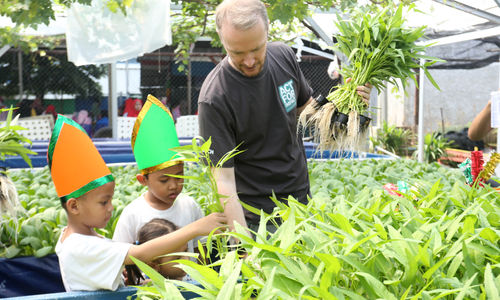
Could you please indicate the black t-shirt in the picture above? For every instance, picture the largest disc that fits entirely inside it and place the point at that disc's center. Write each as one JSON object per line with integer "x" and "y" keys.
{"x": 260, "y": 113}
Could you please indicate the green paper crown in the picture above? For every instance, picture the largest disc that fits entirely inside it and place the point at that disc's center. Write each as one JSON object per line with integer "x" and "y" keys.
{"x": 153, "y": 136}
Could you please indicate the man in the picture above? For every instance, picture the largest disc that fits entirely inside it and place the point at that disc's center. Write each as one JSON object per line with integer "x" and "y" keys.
{"x": 251, "y": 99}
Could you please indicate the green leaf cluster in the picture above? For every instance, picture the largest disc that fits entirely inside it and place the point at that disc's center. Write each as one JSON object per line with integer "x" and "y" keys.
{"x": 204, "y": 178}
{"x": 39, "y": 219}
{"x": 440, "y": 240}
{"x": 380, "y": 49}
{"x": 352, "y": 241}
{"x": 11, "y": 141}
{"x": 434, "y": 147}
{"x": 393, "y": 139}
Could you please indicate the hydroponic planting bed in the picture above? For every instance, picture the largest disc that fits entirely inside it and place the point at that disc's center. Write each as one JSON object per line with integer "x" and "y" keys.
{"x": 354, "y": 240}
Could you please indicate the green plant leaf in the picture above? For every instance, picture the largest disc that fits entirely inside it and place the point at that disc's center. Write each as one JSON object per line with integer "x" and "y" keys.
{"x": 43, "y": 251}
{"x": 492, "y": 291}
{"x": 156, "y": 277}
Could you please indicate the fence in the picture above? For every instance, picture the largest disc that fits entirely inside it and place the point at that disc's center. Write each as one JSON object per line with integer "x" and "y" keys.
{"x": 60, "y": 85}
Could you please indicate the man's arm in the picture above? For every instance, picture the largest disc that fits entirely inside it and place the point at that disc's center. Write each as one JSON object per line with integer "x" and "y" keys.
{"x": 226, "y": 184}
{"x": 481, "y": 124}
{"x": 301, "y": 108}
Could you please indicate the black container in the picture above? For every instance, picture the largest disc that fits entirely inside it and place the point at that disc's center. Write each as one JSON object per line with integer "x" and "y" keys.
{"x": 319, "y": 101}
{"x": 340, "y": 119}
{"x": 364, "y": 121}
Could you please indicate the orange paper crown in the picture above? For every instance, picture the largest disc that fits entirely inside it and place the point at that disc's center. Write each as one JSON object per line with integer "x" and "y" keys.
{"x": 75, "y": 164}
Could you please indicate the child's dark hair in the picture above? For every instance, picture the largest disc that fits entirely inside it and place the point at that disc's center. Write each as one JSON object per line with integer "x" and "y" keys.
{"x": 155, "y": 228}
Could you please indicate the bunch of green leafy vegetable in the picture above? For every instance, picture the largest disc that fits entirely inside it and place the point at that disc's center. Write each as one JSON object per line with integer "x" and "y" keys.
{"x": 11, "y": 141}
{"x": 379, "y": 50}
{"x": 198, "y": 154}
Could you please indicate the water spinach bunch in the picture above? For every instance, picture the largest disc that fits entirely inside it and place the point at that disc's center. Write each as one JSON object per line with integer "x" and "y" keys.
{"x": 380, "y": 49}
{"x": 198, "y": 153}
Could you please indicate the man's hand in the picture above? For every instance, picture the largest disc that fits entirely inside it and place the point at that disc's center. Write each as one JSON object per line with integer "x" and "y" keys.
{"x": 364, "y": 91}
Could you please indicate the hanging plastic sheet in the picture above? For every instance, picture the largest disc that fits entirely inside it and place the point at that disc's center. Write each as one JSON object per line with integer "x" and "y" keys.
{"x": 95, "y": 35}
{"x": 29, "y": 275}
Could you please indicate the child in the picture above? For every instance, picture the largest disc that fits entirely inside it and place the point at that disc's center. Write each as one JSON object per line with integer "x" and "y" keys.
{"x": 86, "y": 187}
{"x": 153, "y": 135}
{"x": 153, "y": 229}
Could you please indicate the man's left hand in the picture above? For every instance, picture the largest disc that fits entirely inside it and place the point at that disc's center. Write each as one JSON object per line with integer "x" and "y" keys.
{"x": 364, "y": 91}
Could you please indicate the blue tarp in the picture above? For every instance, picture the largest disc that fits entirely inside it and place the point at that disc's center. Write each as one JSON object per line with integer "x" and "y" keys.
{"x": 29, "y": 275}
{"x": 30, "y": 278}
{"x": 120, "y": 151}
{"x": 120, "y": 294}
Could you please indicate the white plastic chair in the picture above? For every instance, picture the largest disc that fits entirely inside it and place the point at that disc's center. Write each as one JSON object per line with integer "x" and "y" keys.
{"x": 125, "y": 127}
{"x": 38, "y": 128}
{"x": 187, "y": 126}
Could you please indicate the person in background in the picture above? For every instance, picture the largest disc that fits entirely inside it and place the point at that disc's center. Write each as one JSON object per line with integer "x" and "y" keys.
{"x": 84, "y": 120}
{"x": 252, "y": 99}
{"x": 132, "y": 107}
{"x": 121, "y": 109}
{"x": 37, "y": 107}
{"x": 51, "y": 110}
{"x": 24, "y": 108}
{"x": 103, "y": 120}
{"x": 173, "y": 106}
{"x": 3, "y": 114}
{"x": 86, "y": 187}
{"x": 156, "y": 228}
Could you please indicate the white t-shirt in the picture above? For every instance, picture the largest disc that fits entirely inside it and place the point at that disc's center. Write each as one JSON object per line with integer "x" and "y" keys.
{"x": 90, "y": 263}
{"x": 183, "y": 211}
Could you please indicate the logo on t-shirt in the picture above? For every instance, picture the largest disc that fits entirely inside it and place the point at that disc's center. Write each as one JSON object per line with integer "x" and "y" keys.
{"x": 287, "y": 94}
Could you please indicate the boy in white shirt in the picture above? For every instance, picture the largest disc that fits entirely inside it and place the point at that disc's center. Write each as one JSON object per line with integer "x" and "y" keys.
{"x": 85, "y": 186}
{"x": 153, "y": 135}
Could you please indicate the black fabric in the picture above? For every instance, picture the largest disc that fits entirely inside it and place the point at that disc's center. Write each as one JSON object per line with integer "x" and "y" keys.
{"x": 23, "y": 276}
{"x": 234, "y": 110}
{"x": 460, "y": 140}
{"x": 469, "y": 54}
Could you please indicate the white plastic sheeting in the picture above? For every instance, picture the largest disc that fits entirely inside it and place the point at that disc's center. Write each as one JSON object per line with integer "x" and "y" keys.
{"x": 95, "y": 35}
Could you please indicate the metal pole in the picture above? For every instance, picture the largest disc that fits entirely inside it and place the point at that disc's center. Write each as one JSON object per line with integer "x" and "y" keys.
{"x": 126, "y": 78}
{"x": 385, "y": 105}
{"x": 189, "y": 85}
{"x": 498, "y": 129}
{"x": 421, "y": 112}
{"x": 112, "y": 100}
{"x": 471, "y": 10}
{"x": 189, "y": 81}
{"x": 20, "y": 73}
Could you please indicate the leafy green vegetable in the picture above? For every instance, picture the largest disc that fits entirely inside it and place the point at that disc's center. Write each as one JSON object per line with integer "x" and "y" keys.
{"x": 380, "y": 49}
{"x": 362, "y": 243}
{"x": 11, "y": 142}
{"x": 352, "y": 241}
{"x": 210, "y": 200}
